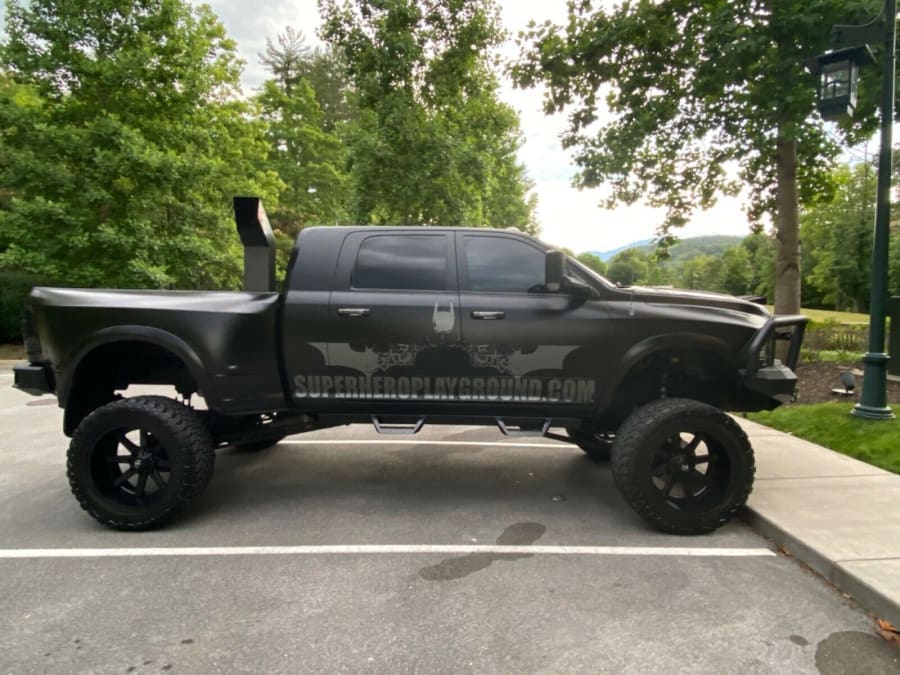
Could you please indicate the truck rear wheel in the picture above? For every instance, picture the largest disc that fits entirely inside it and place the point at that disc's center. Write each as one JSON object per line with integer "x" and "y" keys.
{"x": 684, "y": 466}
{"x": 595, "y": 445}
{"x": 133, "y": 464}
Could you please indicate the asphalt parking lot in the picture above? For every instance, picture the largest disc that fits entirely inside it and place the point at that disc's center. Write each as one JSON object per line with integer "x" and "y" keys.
{"x": 386, "y": 554}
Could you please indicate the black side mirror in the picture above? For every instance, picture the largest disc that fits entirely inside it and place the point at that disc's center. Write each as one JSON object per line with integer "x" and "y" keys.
{"x": 554, "y": 270}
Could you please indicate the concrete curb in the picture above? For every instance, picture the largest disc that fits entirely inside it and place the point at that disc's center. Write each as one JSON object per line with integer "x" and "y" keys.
{"x": 880, "y": 603}
{"x": 831, "y": 512}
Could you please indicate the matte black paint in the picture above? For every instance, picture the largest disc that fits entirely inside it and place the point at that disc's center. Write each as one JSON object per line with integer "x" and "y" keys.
{"x": 259, "y": 244}
{"x": 244, "y": 349}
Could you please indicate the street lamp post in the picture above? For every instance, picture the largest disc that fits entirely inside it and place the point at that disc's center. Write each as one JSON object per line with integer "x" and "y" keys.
{"x": 836, "y": 95}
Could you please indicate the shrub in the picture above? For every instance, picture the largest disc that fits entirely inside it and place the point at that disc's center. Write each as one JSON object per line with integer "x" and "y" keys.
{"x": 14, "y": 288}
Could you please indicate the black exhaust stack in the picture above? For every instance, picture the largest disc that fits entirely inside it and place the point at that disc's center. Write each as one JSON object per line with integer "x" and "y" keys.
{"x": 259, "y": 244}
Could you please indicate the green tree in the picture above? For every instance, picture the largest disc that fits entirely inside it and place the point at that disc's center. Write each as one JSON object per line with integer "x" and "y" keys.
{"x": 735, "y": 272}
{"x": 692, "y": 87}
{"x": 894, "y": 260}
{"x": 122, "y": 140}
{"x": 309, "y": 159}
{"x": 593, "y": 261}
{"x": 433, "y": 144}
{"x": 894, "y": 266}
{"x": 702, "y": 273}
{"x": 760, "y": 248}
{"x": 837, "y": 232}
{"x": 629, "y": 267}
{"x": 290, "y": 58}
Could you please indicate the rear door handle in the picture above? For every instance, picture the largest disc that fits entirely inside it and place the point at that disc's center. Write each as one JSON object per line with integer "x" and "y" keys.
{"x": 354, "y": 311}
{"x": 488, "y": 315}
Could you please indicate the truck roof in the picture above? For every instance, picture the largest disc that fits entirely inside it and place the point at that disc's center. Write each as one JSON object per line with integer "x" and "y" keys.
{"x": 415, "y": 228}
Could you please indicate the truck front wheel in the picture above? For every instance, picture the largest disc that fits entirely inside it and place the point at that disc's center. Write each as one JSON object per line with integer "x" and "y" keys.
{"x": 133, "y": 464}
{"x": 684, "y": 466}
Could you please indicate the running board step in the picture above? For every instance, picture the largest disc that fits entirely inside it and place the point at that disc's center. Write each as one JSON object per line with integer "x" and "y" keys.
{"x": 397, "y": 428}
{"x": 520, "y": 430}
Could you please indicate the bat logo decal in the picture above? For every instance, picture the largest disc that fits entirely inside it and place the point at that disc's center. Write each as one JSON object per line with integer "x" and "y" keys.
{"x": 443, "y": 320}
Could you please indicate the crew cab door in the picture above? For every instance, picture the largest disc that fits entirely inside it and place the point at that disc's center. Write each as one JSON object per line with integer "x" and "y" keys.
{"x": 527, "y": 345}
{"x": 393, "y": 317}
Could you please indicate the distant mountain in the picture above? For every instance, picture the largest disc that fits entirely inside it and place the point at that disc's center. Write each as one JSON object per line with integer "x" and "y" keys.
{"x": 606, "y": 255}
{"x": 686, "y": 249}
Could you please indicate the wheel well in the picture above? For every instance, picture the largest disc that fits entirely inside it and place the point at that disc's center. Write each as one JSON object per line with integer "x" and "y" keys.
{"x": 698, "y": 374}
{"x": 116, "y": 365}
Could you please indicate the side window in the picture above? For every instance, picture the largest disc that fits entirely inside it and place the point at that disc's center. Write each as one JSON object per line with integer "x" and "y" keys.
{"x": 503, "y": 264}
{"x": 402, "y": 262}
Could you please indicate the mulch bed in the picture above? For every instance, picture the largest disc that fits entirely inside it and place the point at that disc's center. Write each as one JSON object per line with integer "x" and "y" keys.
{"x": 817, "y": 379}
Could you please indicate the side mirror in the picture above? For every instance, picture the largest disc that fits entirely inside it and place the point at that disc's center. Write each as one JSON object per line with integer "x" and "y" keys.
{"x": 554, "y": 270}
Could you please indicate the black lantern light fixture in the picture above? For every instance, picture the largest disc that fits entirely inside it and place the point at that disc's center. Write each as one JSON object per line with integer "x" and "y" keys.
{"x": 838, "y": 72}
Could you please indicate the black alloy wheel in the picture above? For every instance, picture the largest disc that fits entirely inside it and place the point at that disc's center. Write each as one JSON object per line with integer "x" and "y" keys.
{"x": 684, "y": 466}
{"x": 134, "y": 463}
{"x": 139, "y": 475}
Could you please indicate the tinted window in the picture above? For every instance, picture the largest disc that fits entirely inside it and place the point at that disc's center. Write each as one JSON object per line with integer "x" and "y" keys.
{"x": 503, "y": 265}
{"x": 405, "y": 262}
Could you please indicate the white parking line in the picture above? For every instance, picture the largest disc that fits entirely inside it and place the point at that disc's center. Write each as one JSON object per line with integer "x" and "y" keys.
{"x": 373, "y": 549}
{"x": 469, "y": 443}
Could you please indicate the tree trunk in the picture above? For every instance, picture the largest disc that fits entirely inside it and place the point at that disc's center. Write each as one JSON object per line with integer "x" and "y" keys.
{"x": 787, "y": 265}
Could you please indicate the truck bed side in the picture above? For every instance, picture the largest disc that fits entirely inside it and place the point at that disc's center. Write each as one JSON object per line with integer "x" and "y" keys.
{"x": 226, "y": 340}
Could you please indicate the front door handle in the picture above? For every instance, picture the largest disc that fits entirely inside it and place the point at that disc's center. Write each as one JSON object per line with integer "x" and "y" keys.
{"x": 488, "y": 315}
{"x": 354, "y": 311}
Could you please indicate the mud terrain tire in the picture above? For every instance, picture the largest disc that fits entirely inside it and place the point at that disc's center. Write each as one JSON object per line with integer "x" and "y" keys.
{"x": 684, "y": 466}
{"x": 133, "y": 464}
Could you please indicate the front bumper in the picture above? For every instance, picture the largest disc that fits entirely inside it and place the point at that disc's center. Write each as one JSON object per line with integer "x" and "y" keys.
{"x": 34, "y": 379}
{"x": 764, "y": 373}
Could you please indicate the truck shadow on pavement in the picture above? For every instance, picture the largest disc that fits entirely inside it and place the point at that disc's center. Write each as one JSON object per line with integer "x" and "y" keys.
{"x": 357, "y": 479}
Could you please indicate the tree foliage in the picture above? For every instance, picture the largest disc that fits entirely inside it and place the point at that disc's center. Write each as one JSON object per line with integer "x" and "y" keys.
{"x": 593, "y": 261}
{"x": 636, "y": 266}
{"x": 307, "y": 157}
{"x": 837, "y": 236}
{"x": 744, "y": 268}
{"x": 692, "y": 89}
{"x": 629, "y": 267}
{"x": 122, "y": 139}
{"x": 432, "y": 144}
{"x": 323, "y": 69}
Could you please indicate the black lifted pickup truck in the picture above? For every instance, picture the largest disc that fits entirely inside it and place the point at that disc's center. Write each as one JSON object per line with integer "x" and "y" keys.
{"x": 398, "y": 326}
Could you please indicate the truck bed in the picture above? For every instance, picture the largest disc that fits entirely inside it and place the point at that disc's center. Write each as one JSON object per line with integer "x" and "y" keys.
{"x": 228, "y": 340}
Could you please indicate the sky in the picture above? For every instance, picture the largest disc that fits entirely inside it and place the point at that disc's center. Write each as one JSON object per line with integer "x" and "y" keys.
{"x": 568, "y": 217}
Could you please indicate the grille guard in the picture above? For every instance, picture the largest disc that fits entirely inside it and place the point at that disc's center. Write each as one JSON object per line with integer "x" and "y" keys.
{"x": 771, "y": 329}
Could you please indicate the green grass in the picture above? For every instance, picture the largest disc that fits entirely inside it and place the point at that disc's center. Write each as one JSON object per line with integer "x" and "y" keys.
{"x": 829, "y": 356}
{"x": 831, "y": 425}
{"x": 11, "y": 352}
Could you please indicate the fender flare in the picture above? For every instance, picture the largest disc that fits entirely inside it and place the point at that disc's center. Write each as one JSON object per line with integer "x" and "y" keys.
{"x": 660, "y": 343}
{"x": 129, "y": 333}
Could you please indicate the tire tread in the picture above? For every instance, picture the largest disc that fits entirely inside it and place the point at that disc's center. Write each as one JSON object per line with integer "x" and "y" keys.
{"x": 198, "y": 460}
{"x": 624, "y": 469}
